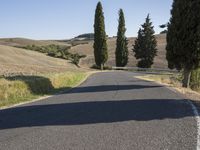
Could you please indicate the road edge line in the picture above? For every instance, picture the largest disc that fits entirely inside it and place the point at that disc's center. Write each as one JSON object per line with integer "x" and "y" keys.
{"x": 196, "y": 113}
{"x": 194, "y": 108}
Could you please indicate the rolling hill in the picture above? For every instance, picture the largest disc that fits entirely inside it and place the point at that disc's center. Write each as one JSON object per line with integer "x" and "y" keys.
{"x": 87, "y": 49}
{"x": 19, "y": 61}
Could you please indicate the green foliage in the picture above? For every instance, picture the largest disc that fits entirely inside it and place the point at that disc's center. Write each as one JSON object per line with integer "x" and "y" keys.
{"x": 163, "y": 26}
{"x": 145, "y": 45}
{"x": 75, "y": 58}
{"x": 86, "y": 35}
{"x": 164, "y": 32}
{"x": 121, "y": 53}
{"x": 183, "y": 38}
{"x": 51, "y": 50}
{"x": 57, "y": 52}
{"x": 195, "y": 79}
{"x": 100, "y": 44}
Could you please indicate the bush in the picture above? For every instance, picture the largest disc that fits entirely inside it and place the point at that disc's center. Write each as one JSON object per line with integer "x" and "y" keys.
{"x": 75, "y": 58}
{"x": 57, "y": 51}
{"x": 195, "y": 79}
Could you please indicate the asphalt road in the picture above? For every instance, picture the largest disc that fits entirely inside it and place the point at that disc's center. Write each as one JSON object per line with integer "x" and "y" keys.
{"x": 110, "y": 111}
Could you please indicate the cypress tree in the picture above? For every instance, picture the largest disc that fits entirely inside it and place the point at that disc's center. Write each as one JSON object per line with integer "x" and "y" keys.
{"x": 121, "y": 53}
{"x": 145, "y": 45}
{"x": 183, "y": 38}
{"x": 100, "y": 45}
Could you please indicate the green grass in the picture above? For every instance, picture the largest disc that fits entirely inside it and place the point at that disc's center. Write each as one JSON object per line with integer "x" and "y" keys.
{"x": 17, "y": 89}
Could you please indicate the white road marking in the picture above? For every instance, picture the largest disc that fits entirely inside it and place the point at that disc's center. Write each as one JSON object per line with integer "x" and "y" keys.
{"x": 196, "y": 116}
{"x": 196, "y": 113}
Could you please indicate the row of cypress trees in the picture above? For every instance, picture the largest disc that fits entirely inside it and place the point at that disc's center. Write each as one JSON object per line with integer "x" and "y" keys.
{"x": 144, "y": 48}
{"x": 183, "y": 40}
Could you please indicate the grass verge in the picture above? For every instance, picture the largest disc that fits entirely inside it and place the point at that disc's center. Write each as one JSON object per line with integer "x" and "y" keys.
{"x": 169, "y": 79}
{"x": 173, "y": 81}
{"x": 18, "y": 89}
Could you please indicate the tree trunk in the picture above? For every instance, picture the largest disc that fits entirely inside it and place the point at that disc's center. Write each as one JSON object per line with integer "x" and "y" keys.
{"x": 187, "y": 76}
{"x": 102, "y": 66}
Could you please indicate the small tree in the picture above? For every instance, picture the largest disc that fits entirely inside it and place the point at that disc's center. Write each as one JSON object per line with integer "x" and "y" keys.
{"x": 183, "y": 38}
{"x": 145, "y": 45}
{"x": 100, "y": 45}
{"x": 75, "y": 58}
{"x": 164, "y": 27}
{"x": 121, "y": 53}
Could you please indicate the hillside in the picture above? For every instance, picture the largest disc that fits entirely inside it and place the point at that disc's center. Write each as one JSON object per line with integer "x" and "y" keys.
{"x": 87, "y": 49}
{"x": 20, "y": 42}
{"x": 16, "y": 60}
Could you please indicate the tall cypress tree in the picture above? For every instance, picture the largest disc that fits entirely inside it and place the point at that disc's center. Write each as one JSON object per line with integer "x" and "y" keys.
{"x": 183, "y": 38}
{"x": 100, "y": 45}
{"x": 145, "y": 45}
{"x": 121, "y": 53}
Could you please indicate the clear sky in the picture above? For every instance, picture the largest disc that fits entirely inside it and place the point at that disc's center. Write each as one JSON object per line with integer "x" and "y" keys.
{"x": 63, "y": 19}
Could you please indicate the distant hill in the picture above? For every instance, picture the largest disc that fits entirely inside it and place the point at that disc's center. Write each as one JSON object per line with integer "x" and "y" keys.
{"x": 16, "y": 60}
{"x": 87, "y": 49}
{"x": 20, "y": 42}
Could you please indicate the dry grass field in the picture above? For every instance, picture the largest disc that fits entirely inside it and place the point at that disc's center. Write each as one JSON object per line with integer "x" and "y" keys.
{"x": 31, "y": 74}
{"x": 17, "y": 61}
{"x": 87, "y": 49}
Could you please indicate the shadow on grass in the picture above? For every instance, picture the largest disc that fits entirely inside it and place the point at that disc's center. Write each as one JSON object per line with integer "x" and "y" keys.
{"x": 81, "y": 113}
{"x": 38, "y": 85}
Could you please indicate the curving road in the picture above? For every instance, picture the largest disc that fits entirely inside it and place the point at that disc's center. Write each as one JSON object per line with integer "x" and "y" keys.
{"x": 110, "y": 111}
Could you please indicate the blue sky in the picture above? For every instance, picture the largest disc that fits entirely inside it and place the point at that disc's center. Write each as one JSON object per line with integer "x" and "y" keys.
{"x": 63, "y": 19}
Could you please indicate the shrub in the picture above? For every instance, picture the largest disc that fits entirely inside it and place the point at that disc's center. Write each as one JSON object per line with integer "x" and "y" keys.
{"x": 57, "y": 52}
{"x": 195, "y": 79}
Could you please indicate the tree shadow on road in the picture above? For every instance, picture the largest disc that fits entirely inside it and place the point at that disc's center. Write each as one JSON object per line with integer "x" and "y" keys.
{"x": 107, "y": 88}
{"x": 82, "y": 113}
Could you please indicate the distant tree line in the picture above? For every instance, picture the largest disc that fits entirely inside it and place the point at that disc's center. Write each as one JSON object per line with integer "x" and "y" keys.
{"x": 86, "y": 35}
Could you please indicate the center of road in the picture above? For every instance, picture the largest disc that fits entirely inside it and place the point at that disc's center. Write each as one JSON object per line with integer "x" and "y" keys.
{"x": 142, "y": 115}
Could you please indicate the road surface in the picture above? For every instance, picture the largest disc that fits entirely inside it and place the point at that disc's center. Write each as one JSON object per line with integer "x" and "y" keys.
{"x": 110, "y": 111}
